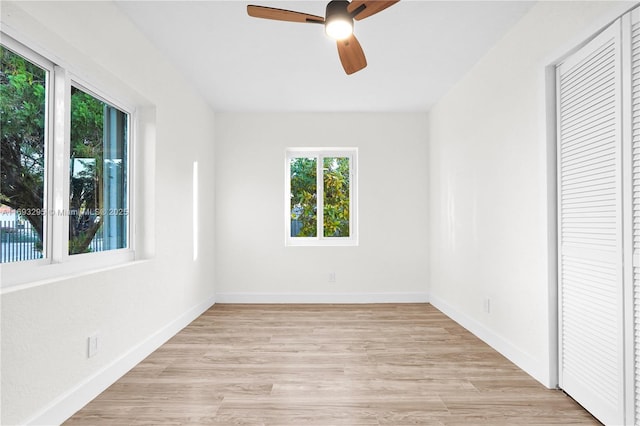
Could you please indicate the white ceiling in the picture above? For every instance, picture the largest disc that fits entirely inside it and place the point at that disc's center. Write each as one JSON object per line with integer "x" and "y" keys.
{"x": 416, "y": 51}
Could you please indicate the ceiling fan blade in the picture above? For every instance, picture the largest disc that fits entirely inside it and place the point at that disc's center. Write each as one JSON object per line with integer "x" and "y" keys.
{"x": 282, "y": 15}
{"x": 351, "y": 54}
{"x": 361, "y": 9}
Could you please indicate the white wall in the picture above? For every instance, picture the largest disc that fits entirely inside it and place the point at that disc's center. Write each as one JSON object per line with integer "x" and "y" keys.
{"x": 253, "y": 264}
{"x": 487, "y": 208}
{"x": 45, "y": 372}
{"x": 489, "y": 190}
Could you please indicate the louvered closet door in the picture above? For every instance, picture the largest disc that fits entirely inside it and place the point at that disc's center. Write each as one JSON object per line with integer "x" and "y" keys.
{"x": 590, "y": 227}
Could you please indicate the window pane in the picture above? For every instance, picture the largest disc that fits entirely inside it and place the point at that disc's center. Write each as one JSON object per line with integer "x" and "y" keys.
{"x": 336, "y": 196}
{"x": 98, "y": 177}
{"x": 23, "y": 87}
{"x": 304, "y": 222}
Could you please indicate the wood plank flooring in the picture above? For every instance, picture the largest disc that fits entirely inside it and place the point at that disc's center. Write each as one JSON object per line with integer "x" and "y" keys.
{"x": 402, "y": 364}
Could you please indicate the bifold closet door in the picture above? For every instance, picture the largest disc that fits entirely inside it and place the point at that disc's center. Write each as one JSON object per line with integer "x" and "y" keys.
{"x": 591, "y": 316}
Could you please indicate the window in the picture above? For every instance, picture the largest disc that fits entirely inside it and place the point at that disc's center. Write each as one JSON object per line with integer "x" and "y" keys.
{"x": 64, "y": 188}
{"x": 24, "y": 88}
{"x": 321, "y": 196}
{"x": 98, "y": 175}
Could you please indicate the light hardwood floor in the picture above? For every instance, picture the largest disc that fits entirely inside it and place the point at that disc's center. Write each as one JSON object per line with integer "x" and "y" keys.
{"x": 328, "y": 365}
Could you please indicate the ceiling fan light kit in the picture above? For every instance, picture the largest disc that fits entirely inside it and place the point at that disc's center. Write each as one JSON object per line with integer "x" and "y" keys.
{"x": 338, "y": 24}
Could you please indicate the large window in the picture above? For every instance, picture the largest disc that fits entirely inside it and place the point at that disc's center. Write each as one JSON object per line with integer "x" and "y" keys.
{"x": 321, "y": 197}
{"x": 64, "y": 187}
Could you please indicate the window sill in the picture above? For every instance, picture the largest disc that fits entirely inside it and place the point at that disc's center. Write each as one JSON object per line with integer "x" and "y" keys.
{"x": 17, "y": 277}
{"x": 315, "y": 242}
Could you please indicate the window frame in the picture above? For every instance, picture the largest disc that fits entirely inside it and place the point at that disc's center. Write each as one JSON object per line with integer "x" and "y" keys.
{"x": 49, "y": 67}
{"x": 78, "y": 83}
{"x": 56, "y": 261}
{"x": 320, "y": 154}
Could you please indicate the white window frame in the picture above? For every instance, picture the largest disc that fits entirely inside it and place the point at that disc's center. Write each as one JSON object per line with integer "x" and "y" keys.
{"x": 49, "y": 67}
{"x": 56, "y": 261}
{"x": 320, "y": 154}
{"x": 114, "y": 255}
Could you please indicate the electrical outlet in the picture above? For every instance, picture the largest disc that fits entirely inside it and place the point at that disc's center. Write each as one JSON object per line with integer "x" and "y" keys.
{"x": 332, "y": 277}
{"x": 92, "y": 345}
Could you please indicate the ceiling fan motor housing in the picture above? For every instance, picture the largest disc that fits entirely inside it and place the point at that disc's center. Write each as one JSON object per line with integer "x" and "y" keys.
{"x": 337, "y": 9}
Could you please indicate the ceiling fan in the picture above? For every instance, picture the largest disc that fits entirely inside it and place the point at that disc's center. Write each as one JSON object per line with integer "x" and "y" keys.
{"x": 338, "y": 24}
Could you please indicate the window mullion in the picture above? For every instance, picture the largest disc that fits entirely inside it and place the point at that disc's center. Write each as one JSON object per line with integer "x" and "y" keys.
{"x": 59, "y": 211}
{"x": 352, "y": 196}
{"x": 49, "y": 164}
{"x": 287, "y": 198}
{"x": 320, "y": 197}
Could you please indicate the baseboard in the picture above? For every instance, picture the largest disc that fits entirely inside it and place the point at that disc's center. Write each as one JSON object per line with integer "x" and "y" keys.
{"x": 70, "y": 402}
{"x": 325, "y": 298}
{"x": 523, "y": 360}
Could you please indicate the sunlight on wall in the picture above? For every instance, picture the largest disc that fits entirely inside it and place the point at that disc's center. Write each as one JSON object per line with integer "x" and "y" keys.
{"x": 194, "y": 210}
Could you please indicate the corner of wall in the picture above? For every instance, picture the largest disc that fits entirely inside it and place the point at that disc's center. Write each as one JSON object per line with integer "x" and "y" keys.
{"x": 496, "y": 341}
{"x": 67, "y": 404}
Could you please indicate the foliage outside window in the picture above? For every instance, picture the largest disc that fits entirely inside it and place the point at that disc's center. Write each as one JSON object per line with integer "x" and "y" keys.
{"x": 321, "y": 197}
{"x": 97, "y": 207}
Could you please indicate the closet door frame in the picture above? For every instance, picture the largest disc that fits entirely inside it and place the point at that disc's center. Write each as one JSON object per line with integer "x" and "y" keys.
{"x": 631, "y": 291}
{"x": 630, "y": 259}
